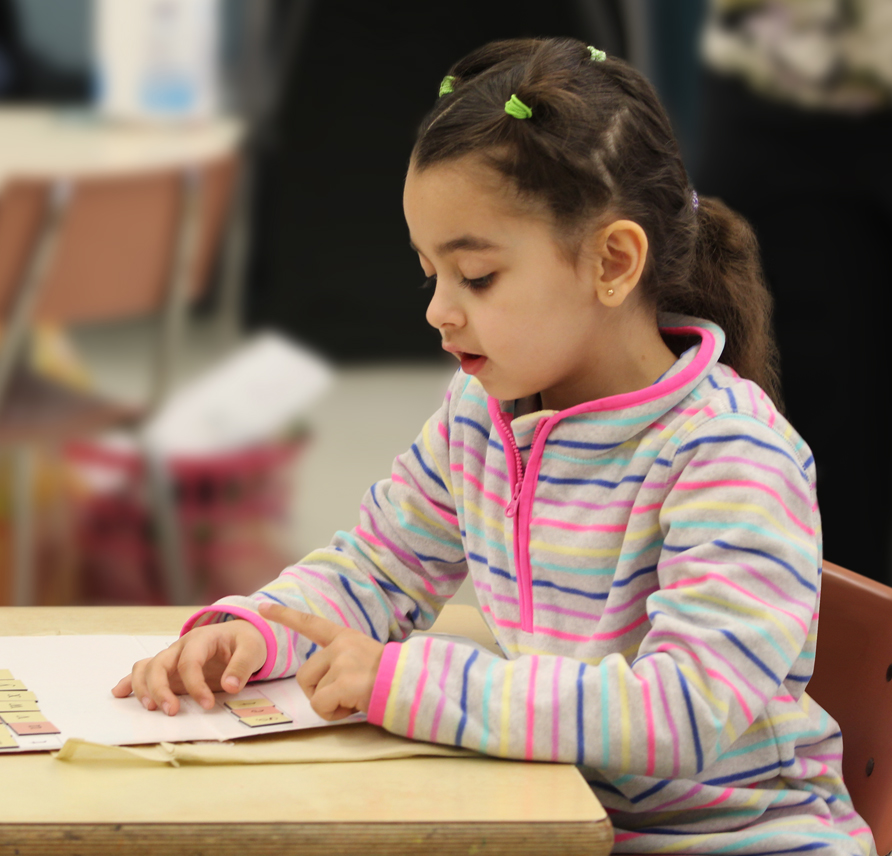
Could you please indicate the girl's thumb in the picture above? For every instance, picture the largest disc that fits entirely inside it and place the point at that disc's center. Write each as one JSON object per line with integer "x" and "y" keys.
{"x": 237, "y": 672}
{"x": 231, "y": 683}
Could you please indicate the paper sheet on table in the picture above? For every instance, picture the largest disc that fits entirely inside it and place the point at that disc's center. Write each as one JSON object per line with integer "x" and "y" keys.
{"x": 72, "y": 677}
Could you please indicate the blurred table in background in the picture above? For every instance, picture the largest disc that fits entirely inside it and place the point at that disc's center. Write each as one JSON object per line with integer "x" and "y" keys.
{"x": 44, "y": 141}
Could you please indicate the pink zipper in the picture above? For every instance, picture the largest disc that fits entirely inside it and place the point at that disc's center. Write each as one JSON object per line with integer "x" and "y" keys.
{"x": 511, "y": 507}
{"x": 521, "y": 515}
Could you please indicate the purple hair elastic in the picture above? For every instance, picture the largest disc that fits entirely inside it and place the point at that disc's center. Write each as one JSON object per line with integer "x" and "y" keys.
{"x": 695, "y": 201}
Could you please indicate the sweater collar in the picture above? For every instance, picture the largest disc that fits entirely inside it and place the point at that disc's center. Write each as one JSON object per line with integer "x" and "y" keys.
{"x": 616, "y": 418}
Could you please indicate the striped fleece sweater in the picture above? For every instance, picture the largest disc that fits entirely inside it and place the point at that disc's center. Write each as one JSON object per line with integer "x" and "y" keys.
{"x": 650, "y": 565}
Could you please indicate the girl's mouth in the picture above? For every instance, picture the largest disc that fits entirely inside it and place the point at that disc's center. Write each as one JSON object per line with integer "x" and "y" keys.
{"x": 471, "y": 363}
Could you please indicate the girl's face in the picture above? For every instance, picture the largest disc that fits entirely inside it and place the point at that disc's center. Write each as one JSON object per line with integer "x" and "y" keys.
{"x": 516, "y": 312}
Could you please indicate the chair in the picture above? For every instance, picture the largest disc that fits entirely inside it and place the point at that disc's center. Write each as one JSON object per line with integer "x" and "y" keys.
{"x": 853, "y": 682}
{"x": 90, "y": 250}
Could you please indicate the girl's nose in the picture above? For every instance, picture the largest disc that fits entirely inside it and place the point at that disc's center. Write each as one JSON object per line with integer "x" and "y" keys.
{"x": 444, "y": 310}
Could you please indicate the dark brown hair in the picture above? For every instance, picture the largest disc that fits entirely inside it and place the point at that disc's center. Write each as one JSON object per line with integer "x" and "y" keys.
{"x": 599, "y": 141}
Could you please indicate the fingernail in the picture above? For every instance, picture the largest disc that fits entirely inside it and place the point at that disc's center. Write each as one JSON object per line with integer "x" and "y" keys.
{"x": 231, "y": 682}
{"x": 166, "y": 707}
{"x": 207, "y": 703}
{"x": 145, "y": 701}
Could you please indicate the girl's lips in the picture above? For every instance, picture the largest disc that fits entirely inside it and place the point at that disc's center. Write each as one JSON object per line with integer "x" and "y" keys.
{"x": 471, "y": 363}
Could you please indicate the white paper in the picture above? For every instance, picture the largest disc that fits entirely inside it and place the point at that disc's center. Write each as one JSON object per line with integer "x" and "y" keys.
{"x": 250, "y": 396}
{"x": 72, "y": 677}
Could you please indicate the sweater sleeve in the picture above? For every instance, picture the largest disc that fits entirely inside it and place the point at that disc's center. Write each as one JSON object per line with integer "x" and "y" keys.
{"x": 390, "y": 574}
{"x": 738, "y": 582}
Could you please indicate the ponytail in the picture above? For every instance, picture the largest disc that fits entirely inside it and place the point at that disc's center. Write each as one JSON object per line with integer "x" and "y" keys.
{"x": 726, "y": 286}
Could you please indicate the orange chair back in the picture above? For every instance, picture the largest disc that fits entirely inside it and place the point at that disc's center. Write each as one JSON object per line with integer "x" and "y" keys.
{"x": 117, "y": 241}
{"x": 853, "y": 683}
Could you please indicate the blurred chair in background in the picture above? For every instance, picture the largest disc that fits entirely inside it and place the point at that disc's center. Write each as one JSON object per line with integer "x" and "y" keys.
{"x": 797, "y": 130}
{"x": 93, "y": 249}
{"x": 852, "y": 681}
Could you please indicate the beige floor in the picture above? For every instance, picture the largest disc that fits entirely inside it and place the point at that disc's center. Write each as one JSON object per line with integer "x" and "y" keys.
{"x": 371, "y": 413}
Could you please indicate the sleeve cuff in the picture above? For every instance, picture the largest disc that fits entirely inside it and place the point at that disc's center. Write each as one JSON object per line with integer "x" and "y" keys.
{"x": 272, "y": 648}
{"x": 383, "y": 682}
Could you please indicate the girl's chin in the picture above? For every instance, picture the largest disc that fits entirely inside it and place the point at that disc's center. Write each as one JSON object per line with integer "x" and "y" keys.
{"x": 501, "y": 390}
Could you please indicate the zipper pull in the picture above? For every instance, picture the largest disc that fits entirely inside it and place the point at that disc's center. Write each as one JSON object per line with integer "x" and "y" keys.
{"x": 511, "y": 507}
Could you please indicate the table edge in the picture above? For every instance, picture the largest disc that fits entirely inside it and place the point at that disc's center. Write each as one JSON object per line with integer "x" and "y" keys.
{"x": 573, "y": 838}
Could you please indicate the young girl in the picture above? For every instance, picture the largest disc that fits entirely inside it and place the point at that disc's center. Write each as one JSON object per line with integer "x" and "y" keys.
{"x": 638, "y": 518}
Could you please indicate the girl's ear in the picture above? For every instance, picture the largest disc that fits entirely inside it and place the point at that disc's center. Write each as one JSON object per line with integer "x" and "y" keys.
{"x": 621, "y": 251}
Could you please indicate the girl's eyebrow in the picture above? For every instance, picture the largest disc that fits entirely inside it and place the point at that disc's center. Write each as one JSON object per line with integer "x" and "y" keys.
{"x": 465, "y": 242}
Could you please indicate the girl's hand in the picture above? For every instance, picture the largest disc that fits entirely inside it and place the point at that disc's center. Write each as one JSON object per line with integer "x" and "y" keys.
{"x": 203, "y": 661}
{"x": 338, "y": 679}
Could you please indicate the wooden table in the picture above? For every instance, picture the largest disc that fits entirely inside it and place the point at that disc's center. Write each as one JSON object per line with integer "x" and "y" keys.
{"x": 438, "y": 805}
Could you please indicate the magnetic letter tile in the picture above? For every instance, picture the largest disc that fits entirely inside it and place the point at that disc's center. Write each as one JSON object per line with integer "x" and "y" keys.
{"x": 10, "y": 684}
{"x": 5, "y": 675}
{"x": 269, "y": 719}
{"x": 6, "y": 706}
{"x": 17, "y": 695}
{"x": 242, "y": 712}
{"x": 257, "y": 701}
{"x": 22, "y": 716}
{"x": 38, "y": 743}
{"x": 7, "y": 741}
{"x": 44, "y": 727}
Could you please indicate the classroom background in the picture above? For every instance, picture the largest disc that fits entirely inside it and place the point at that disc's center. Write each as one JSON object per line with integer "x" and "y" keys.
{"x": 781, "y": 108}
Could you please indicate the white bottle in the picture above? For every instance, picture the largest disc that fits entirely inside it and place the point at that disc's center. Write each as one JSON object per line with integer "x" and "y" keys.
{"x": 157, "y": 60}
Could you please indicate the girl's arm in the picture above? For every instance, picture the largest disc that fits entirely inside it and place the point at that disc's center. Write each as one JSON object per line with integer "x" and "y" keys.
{"x": 388, "y": 575}
{"x": 738, "y": 582}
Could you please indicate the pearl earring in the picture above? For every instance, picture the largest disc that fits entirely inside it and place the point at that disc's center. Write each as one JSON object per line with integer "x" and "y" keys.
{"x": 610, "y": 292}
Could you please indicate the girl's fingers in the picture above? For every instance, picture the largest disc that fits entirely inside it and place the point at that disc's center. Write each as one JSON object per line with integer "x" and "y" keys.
{"x": 123, "y": 688}
{"x": 249, "y": 655}
{"x": 331, "y": 702}
{"x": 133, "y": 683}
{"x": 158, "y": 672}
{"x": 191, "y": 667}
{"x": 229, "y": 653}
{"x": 139, "y": 687}
{"x": 237, "y": 672}
{"x": 313, "y": 670}
{"x": 316, "y": 629}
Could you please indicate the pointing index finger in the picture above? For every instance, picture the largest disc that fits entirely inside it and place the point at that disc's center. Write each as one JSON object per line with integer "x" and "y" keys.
{"x": 315, "y": 628}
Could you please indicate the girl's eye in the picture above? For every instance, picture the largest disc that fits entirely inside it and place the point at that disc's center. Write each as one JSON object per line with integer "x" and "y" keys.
{"x": 479, "y": 283}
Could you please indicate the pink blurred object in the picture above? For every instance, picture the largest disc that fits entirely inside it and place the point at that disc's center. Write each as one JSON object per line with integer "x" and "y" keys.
{"x": 232, "y": 509}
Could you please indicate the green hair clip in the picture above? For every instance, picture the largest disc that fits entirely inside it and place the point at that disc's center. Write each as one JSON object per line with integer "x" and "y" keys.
{"x": 597, "y": 56}
{"x": 516, "y": 108}
{"x": 447, "y": 85}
